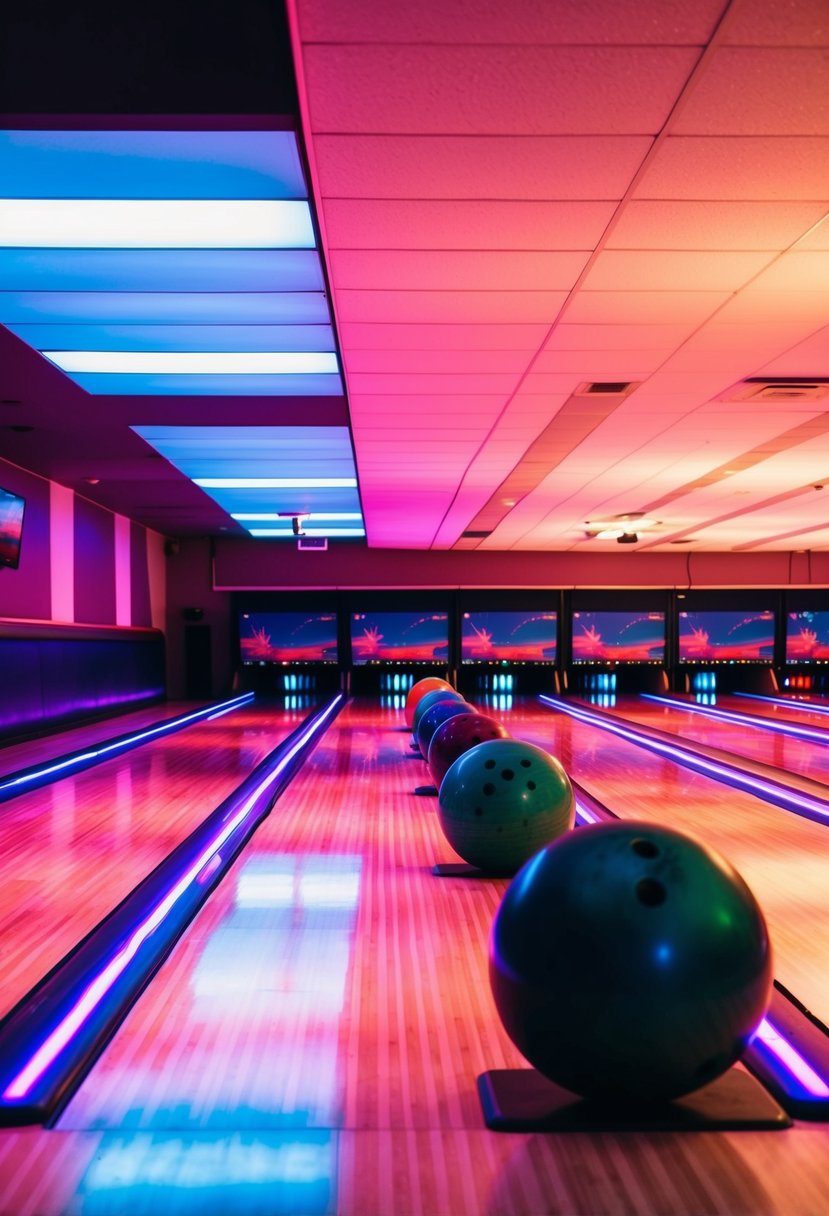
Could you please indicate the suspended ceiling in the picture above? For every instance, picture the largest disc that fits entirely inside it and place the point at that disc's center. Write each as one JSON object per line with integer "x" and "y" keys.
{"x": 520, "y": 206}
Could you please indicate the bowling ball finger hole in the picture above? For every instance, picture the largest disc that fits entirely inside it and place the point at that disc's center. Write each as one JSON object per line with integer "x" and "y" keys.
{"x": 507, "y": 774}
{"x": 650, "y": 892}
{"x": 530, "y": 785}
{"x": 644, "y": 848}
{"x": 526, "y": 763}
{"x": 489, "y": 764}
{"x": 489, "y": 788}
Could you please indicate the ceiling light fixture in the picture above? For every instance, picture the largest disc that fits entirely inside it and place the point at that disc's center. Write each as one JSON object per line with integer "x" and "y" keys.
{"x": 165, "y": 362}
{"x": 276, "y": 483}
{"x": 115, "y": 223}
{"x": 273, "y": 516}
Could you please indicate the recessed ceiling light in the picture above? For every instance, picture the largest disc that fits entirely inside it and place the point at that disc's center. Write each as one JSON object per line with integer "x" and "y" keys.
{"x": 92, "y": 481}
{"x": 61, "y": 223}
{"x": 257, "y": 363}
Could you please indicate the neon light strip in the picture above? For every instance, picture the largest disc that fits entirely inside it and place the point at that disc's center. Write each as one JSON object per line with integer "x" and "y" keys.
{"x": 91, "y": 998}
{"x": 194, "y": 363}
{"x": 770, "y": 791}
{"x": 288, "y": 533}
{"x": 116, "y": 223}
{"x": 807, "y": 706}
{"x": 811, "y": 734}
{"x": 791, "y": 1059}
{"x": 275, "y": 517}
{"x": 276, "y": 483}
{"x": 85, "y": 758}
{"x": 585, "y": 816}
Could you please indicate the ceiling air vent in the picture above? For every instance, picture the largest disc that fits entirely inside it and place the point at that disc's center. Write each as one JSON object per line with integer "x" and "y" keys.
{"x": 778, "y": 388}
{"x": 475, "y": 535}
{"x": 606, "y": 388}
{"x": 312, "y": 542}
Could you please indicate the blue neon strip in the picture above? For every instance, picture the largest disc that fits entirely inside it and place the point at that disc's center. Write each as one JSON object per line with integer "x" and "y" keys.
{"x": 160, "y": 270}
{"x": 177, "y": 337}
{"x": 51, "y": 1036}
{"x": 151, "y": 164}
{"x": 810, "y": 734}
{"x": 770, "y": 791}
{"x": 786, "y": 702}
{"x": 165, "y": 307}
{"x": 31, "y": 778}
{"x": 144, "y": 384}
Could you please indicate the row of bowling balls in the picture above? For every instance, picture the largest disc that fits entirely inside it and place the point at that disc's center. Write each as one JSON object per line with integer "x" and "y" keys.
{"x": 627, "y": 961}
{"x": 500, "y": 799}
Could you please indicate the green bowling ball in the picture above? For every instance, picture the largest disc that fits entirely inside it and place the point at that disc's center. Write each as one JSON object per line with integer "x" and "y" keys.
{"x": 502, "y": 801}
{"x": 629, "y": 961}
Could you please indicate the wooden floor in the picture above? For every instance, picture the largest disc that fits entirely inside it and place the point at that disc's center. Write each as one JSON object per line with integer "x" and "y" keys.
{"x": 809, "y": 759}
{"x": 311, "y": 1045}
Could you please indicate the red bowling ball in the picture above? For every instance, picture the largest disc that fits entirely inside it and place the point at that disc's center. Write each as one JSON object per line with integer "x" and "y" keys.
{"x": 456, "y": 736}
{"x": 420, "y": 689}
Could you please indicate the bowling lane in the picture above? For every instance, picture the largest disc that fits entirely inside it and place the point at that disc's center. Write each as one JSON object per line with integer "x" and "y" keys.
{"x": 317, "y": 1033}
{"x": 768, "y": 747}
{"x": 30, "y": 752}
{"x": 71, "y": 851}
{"x": 783, "y": 858}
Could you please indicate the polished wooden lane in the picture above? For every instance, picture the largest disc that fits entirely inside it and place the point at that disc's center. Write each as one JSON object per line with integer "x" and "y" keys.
{"x": 754, "y": 742}
{"x": 29, "y": 752}
{"x": 312, "y": 1043}
{"x": 71, "y": 851}
{"x": 783, "y": 858}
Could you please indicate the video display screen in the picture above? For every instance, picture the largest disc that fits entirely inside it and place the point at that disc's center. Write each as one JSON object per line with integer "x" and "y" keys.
{"x": 721, "y": 636}
{"x": 807, "y": 637}
{"x": 508, "y": 637}
{"x": 11, "y": 528}
{"x": 288, "y": 637}
{"x": 399, "y": 637}
{"x": 618, "y": 637}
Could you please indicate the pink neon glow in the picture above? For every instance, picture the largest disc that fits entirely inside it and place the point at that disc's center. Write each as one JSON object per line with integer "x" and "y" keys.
{"x": 791, "y": 1059}
{"x": 51, "y": 1048}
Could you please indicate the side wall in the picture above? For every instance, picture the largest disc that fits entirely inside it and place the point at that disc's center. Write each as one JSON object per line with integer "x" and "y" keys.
{"x": 81, "y": 619}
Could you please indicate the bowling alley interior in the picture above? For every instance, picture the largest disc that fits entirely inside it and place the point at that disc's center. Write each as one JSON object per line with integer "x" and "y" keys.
{"x": 414, "y": 608}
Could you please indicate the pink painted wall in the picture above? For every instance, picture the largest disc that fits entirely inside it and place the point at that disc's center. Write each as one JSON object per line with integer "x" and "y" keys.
{"x": 249, "y": 563}
{"x": 79, "y": 563}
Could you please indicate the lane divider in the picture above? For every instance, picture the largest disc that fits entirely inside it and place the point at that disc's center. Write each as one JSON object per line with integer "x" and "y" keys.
{"x": 54, "y": 1035}
{"x": 25, "y": 779}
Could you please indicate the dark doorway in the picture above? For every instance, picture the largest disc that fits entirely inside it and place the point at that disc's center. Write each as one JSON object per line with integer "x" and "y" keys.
{"x": 198, "y": 667}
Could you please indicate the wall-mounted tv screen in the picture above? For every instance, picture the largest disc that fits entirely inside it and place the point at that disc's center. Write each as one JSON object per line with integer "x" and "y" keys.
{"x": 288, "y": 637}
{"x": 11, "y": 528}
{"x": 508, "y": 637}
{"x": 807, "y": 637}
{"x": 399, "y": 637}
{"x": 618, "y": 637}
{"x": 726, "y": 636}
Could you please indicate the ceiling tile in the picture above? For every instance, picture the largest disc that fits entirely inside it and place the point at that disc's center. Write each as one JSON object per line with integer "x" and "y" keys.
{"x": 759, "y": 91}
{"x": 383, "y": 335}
{"x": 490, "y": 224}
{"x": 445, "y": 270}
{"x": 640, "y": 270}
{"x": 463, "y": 167}
{"x": 738, "y": 167}
{"x": 644, "y": 307}
{"x": 671, "y": 22}
{"x": 720, "y": 225}
{"x": 493, "y": 90}
{"x": 448, "y": 306}
{"x": 804, "y": 23}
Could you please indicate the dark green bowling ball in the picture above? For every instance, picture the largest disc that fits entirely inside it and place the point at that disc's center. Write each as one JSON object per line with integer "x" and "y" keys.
{"x": 630, "y": 961}
{"x": 502, "y": 801}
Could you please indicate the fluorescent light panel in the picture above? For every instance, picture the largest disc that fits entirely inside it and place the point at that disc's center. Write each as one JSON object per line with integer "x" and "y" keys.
{"x": 225, "y": 270}
{"x": 164, "y": 307}
{"x": 93, "y": 223}
{"x": 276, "y": 483}
{"x": 287, "y": 533}
{"x": 265, "y": 516}
{"x": 207, "y": 384}
{"x": 177, "y": 337}
{"x": 264, "y": 363}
